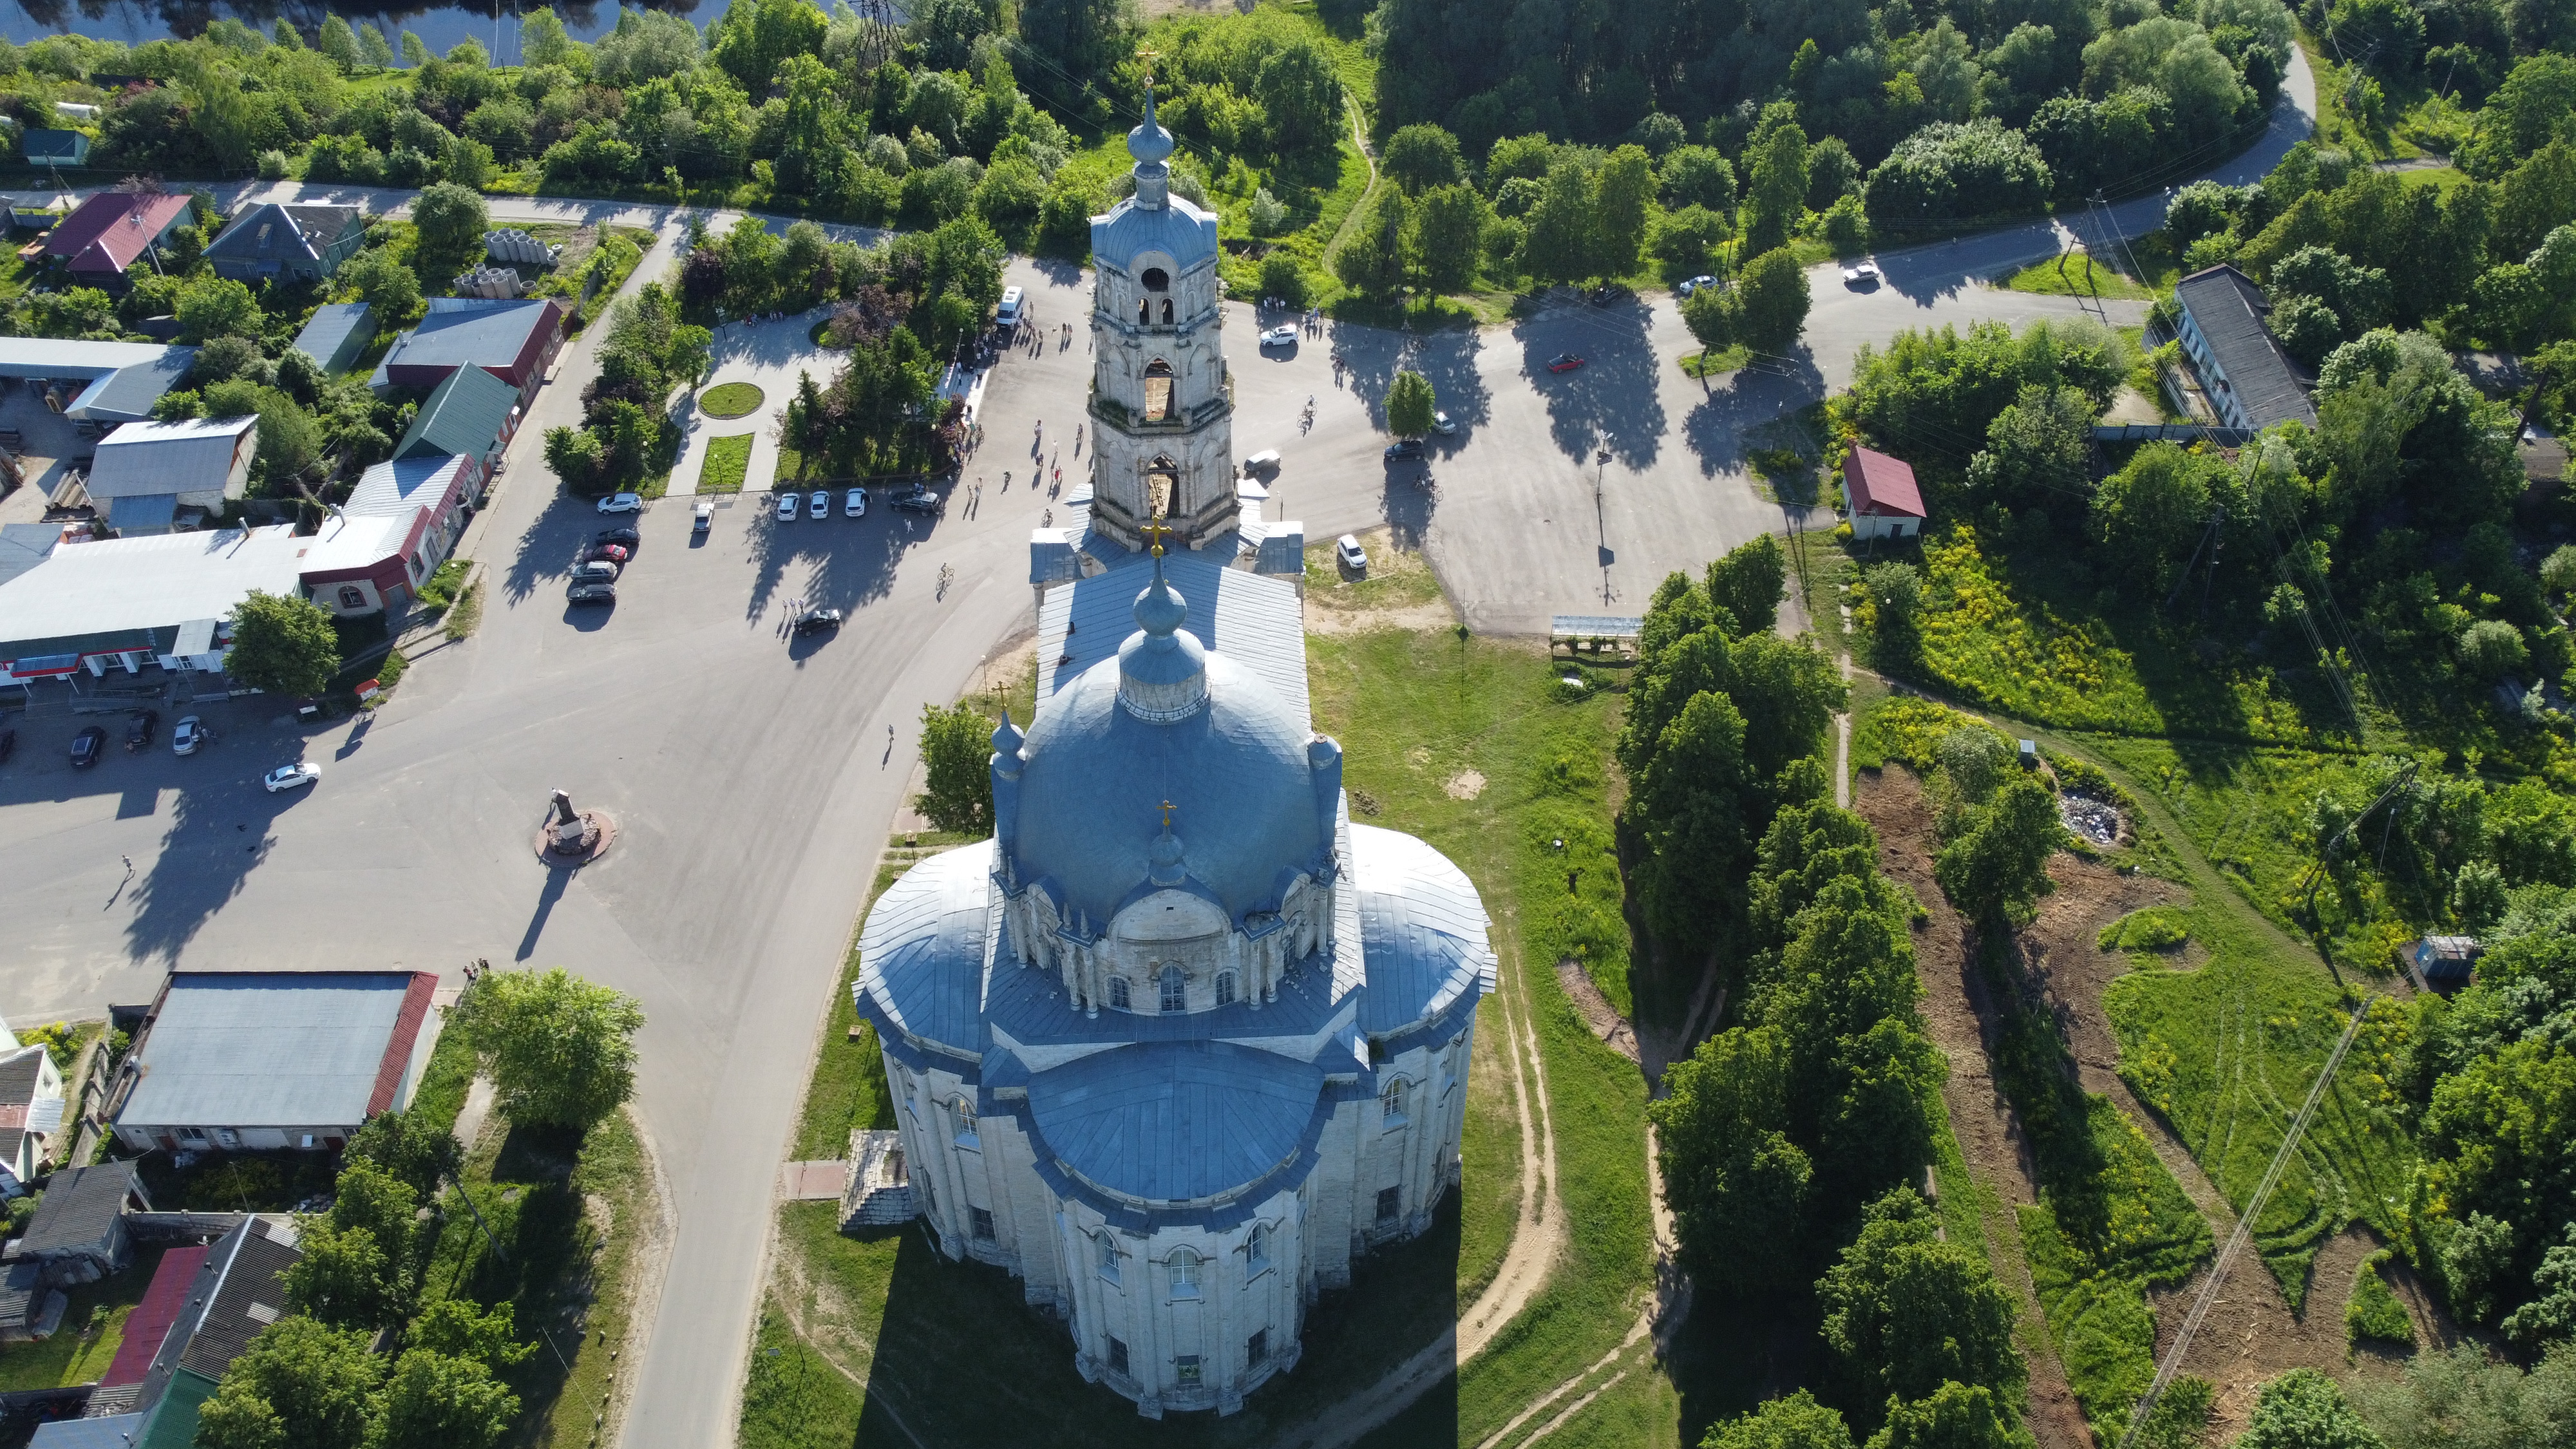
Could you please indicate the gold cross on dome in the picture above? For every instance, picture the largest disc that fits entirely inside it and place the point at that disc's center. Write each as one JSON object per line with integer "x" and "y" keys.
{"x": 1157, "y": 531}
{"x": 1149, "y": 55}
{"x": 1167, "y": 817}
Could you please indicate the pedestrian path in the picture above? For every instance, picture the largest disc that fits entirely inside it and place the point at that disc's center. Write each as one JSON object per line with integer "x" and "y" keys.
{"x": 768, "y": 355}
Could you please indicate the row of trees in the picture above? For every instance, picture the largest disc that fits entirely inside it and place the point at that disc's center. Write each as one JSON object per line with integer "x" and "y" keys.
{"x": 560, "y": 1052}
{"x": 628, "y": 431}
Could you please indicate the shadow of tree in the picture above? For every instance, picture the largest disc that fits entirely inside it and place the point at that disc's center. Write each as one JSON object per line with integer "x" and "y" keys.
{"x": 1609, "y": 402}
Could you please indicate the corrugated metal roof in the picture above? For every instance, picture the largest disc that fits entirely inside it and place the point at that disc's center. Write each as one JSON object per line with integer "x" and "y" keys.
{"x": 68, "y": 357}
{"x": 1423, "y": 926}
{"x": 250, "y": 1297}
{"x": 463, "y": 414}
{"x": 395, "y": 488}
{"x": 1176, "y": 1121}
{"x": 142, "y": 512}
{"x": 150, "y": 1322}
{"x": 129, "y": 394}
{"x": 108, "y": 231}
{"x": 272, "y": 231}
{"x": 921, "y": 954}
{"x": 332, "y": 337}
{"x": 135, "y": 584}
{"x": 1882, "y": 485}
{"x": 2228, "y": 310}
{"x": 116, "y": 1431}
{"x": 1256, "y": 621}
{"x": 470, "y": 330}
{"x": 25, "y": 545}
{"x": 80, "y": 1205}
{"x": 48, "y": 147}
{"x": 190, "y": 456}
{"x": 266, "y": 1049}
{"x": 356, "y": 541}
{"x": 1178, "y": 230}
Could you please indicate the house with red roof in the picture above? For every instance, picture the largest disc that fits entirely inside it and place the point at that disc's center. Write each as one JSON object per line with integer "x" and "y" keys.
{"x": 111, "y": 231}
{"x": 1880, "y": 495}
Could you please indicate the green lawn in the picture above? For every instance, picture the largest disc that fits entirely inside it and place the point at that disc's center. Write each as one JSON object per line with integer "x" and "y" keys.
{"x": 2080, "y": 277}
{"x": 728, "y": 459}
{"x": 730, "y": 400}
{"x": 1716, "y": 363}
{"x": 93, "y": 1328}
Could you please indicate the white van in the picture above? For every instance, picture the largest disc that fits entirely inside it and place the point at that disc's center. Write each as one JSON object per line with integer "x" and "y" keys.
{"x": 1009, "y": 315}
{"x": 1264, "y": 462}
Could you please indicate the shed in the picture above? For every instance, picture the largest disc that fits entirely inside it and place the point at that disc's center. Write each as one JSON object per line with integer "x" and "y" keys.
{"x": 1881, "y": 496}
{"x": 238, "y": 1289}
{"x": 29, "y": 1306}
{"x": 271, "y": 1059}
{"x": 78, "y": 1234}
{"x": 46, "y": 147}
{"x": 338, "y": 334}
{"x": 145, "y": 472}
{"x": 2446, "y": 960}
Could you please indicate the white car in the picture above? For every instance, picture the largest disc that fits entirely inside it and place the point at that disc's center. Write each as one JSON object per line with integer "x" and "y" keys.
{"x": 1265, "y": 461}
{"x": 1443, "y": 424}
{"x": 856, "y": 505}
{"x": 189, "y": 737}
{"x": 820, "y": 505}
{"x": 1279, "y": 337}
{"x": 622, "y": 503}
{"x": 1347, "y": 551}
{"x": 292, "y": 777}
{"x": 1861, "y": 272}
{"x": 1693, "y": 285}
{"x": 787, "y": 506}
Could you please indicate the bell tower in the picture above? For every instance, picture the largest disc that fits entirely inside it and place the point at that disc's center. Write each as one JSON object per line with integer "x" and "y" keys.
{"x": 1162, "y": 403}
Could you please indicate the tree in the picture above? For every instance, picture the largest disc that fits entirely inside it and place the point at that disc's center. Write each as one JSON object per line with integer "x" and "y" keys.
{"x": 1773, "y": 295}
{"x": 385, "y": 284}
{"x": 450, "y": 221}
{"x": 298, "y": 1385}
{"x": 432, "y": 1401}
{"x": 1409, "y": 405}
{"x": 1776, "y": 163}
{"x": 373, "y": 48}
{"x": 346, "y": 1279}
{"x": 409, "y": 1147}
{"x": 415, "y": 51}
{"x": 1622, "y": 195}
{"x": 1747, "y": 583}
{"x": 1698, "y": 176}
{"x": 212, "y": 307}
{"x": 1714, "y": 316}
{"x": 1998, "y": 868}
{"x": 2463, "y": 1399}
{"x": 1686, "y": 241}
{"x": 2302, "y": 1409}
{"x": 340, "y": 43}
{"x": 1081, "y": 35}
{"x": 956, "y": 757}
{"x": 1283, "y": 277}
{"x": 1796, "y": 1422}
{"x": 965, "y": 258}
{"x": 1736, "y": 1180}
{"x": 1302, "y": 95}
{"x": 1448, "y": 228}
{"x": 282, "y": 644}
{"x": 2036, "y": 451}
{"x": 1420, "y": 157}
{"x": 560, "y": 1050}
{"x": 1560, "y": 247}
{"x": 2492, "y": 648}
{"x": 455, "y": 1328}
{"x": 1953, "y": 1416}
{"x": 1691, "y": 808}
{"x": 1371, "y": 261}
{"x": 2151, "y": 511}
{"x": 1906, "y": 1313}
{"x": 543, "y": 41}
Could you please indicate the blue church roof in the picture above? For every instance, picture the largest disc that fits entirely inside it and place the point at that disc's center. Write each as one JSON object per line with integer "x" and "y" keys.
{"x": 1422, "y": 929}
{"x": 1177, "y": 1121}
{"x": 921, "y": 954}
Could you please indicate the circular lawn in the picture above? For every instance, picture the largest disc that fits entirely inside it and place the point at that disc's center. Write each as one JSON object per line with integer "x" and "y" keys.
{"x": 732, "y": 400}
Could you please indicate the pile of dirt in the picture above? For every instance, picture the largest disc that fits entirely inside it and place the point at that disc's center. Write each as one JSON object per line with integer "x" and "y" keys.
{"x": 1606, "y": 1022}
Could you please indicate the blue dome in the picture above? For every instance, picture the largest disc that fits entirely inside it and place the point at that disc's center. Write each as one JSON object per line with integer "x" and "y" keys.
{"x": 1149, "y": 143}
{"x": 1096, "y": 777}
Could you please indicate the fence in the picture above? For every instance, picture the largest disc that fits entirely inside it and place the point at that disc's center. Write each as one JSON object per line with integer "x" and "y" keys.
{"x": 2170, "y": 433}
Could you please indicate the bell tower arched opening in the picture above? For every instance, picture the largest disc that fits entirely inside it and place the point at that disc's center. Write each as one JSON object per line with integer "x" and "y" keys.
{"x": 1158, "y": 389}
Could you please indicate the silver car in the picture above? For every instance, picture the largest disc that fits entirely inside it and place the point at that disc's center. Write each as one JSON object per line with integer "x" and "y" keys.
{"x": 189, "y": 737}
{"x": 820, "y": 505}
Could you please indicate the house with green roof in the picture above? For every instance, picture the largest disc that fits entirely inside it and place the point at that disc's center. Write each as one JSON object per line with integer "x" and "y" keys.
{"x": 471, "y": 413}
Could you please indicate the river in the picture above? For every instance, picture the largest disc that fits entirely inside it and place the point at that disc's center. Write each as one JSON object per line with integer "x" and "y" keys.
{"x": 438, "y": 26}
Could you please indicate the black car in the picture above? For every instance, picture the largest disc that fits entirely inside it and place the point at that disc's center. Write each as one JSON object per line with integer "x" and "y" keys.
{"x": 1405, "y": 451}
{"x": 920, "y": 500}
{"x": 817, "y": 621}
{"x": 592, "y": 594}
{"x": 627, "y": 536}
{"x": 138, "y": 735}
{"x": 87, "y": 745}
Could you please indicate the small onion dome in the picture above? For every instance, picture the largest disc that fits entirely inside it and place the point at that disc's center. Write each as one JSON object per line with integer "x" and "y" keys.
{"x": 1162, "y": 672}
{"x": 1007, "y": 740}
{"x": 1165, "y": 854}
{"x": 1149, "y": 143}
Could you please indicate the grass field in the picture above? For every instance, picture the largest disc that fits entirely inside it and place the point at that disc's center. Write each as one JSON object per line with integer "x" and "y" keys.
{"x": 2080, "y": 277}
{"x": 93, "y": 1328}
{"x": 730, "y": 400}
{"x": 728, "y": 459}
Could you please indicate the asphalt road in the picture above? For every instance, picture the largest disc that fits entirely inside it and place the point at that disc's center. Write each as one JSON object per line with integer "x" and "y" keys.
{"x": 753, "y": 775}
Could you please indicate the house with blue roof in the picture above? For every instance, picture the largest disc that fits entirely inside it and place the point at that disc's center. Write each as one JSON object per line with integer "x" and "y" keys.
{"x": 1180, "y": 1043}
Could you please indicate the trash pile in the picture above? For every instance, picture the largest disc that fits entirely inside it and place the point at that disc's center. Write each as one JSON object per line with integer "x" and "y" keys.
{"x": 2095, "y": 820}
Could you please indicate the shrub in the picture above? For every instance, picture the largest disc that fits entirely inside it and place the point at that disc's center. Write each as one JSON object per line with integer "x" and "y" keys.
{"x": 2156, "y": 928}
{"x": 2373, "y": 1311}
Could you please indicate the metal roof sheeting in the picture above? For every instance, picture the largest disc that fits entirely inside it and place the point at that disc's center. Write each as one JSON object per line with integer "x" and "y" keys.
{"x": 108, "y": 231}
{"x": 2228, "y": 310}
{"x": 1176, "y": 1121}
{"x": 1178, "y": 230}
{"x": 921, "y": 954}
{"x": 191, "y": 456}
{"x": 1423, "y": 928}
{"x": 463, "y": 414}
{"x": 463, "y": 331}
{"x": 268, "y": 1049}
{"x": 135, "y": 585}
{"x": 337, "y": 333}
{"x": 81, "y": 1204}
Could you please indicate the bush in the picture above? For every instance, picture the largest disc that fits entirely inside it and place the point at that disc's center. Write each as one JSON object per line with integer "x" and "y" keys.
{"x": 2156, "y": 928}
{"x": 1283, "y": 277}
{"x": 1947, "y": 172}
{"x": 2492, "y": 648}
{"x": 2373, "y": 1312}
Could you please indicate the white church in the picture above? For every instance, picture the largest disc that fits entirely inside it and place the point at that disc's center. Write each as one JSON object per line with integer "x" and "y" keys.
{"x": 1180, "y": 1044}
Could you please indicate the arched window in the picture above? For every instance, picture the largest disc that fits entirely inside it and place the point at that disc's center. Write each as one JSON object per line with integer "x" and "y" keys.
{"x": 1391, "y": 1102}
{"x": 1175, "y": 991}
{"x": 961, "y": 1120}
{"x": 1154, "y": 279}
{"x": 1162, "y": 486}
{"x": 1185, "y": 1273}
{"x": 1118, "y": 992}
{"x": 1256, "y": 1248}
{"x": 352, "y": 597}
{"x": 1108, "y": 1256}
{"x": 1158, "y": 391}
{"x": 1144, "y": 314}
{"x": 1225, "y": 988}
{"x": 1167, "y": 311}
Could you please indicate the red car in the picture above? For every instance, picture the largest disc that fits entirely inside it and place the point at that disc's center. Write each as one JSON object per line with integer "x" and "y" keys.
{"x": 616, "y": 553}
{"x": 1564, "y": 362}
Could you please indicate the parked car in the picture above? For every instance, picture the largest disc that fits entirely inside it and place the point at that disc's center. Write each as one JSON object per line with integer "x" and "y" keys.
{"x": 622, "y": 503}
{"x": 622, "y": 537}
{"x": 291, "y": 777}
{"x": 597, "y": 571}
{"x": 1564, "y": 362}
{"x": 856, "y": 505}
{"x": 787, "y": 506}
{"x": 920, "y": 500}
{"x": 1348, "y": 553}
{"x": 1279, "y": 337}
{"x": 816, "y": 621}
{"x": 1444, "y": 425}
{"x": 189, "y": 737}
{"x": 1861, "y": 274}
{"x": 1008, "y": 315}
{"x": 87, "y": 746}
{"x": 592, "y": 594}
{"x": 616, "y": 553}
{"x": 139, "y": 731}
{"x": 703, "y": 517}
{"x": 1404, "y": 450}
{"x": 820, "y": 505}
{"x": 1265, "y": 461}
{"x": 1693, "y": 285}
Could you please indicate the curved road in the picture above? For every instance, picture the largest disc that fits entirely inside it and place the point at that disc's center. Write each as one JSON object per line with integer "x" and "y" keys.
{"x": 753, "y": 777}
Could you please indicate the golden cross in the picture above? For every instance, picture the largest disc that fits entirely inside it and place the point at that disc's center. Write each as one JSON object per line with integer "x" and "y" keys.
{"x": 1167, "y": 817}
{"x": 1149, "y": 55}
{"x": 1157, "y": 530}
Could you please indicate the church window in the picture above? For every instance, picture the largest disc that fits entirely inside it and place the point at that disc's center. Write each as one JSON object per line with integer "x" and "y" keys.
{"x": 1144, "y": 314}
{"x": 1185, "y": 1274}
{"x": 1390, "y": 1204}
{"x": 961, "y": 1121}
{"x": 1225, "y": 988}
{"x": 1187, "y": 1366}
{"x": 1108, "y": 1258}
{"x": 1256, "y": 1349}
{"x": 1162, "y": 486}
{"x": 1154, "y": 279}
{"x": 982, "y": 1221}
{"x": 1167, "y": 311}
{"x": 1256, "y": 1248}
{"x": 1118, "y": 1356}
{"x": 1175, "y": 991}
{"x": 1118, "y": 992}
{"x": 1391, "y": 1104}
{"x": 1158, "y": 391}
